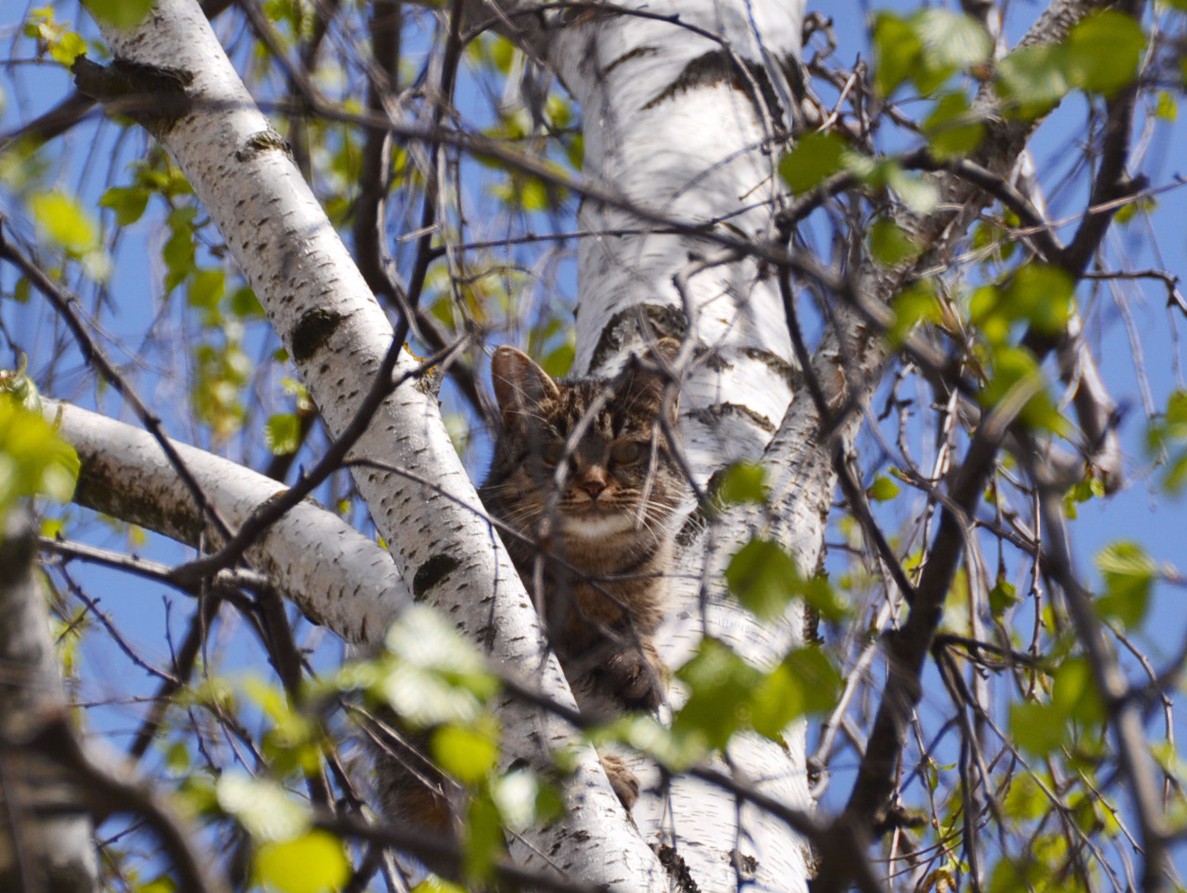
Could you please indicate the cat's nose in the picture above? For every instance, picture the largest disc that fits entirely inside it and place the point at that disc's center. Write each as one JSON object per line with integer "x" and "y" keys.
{"x": 592, "y": 486}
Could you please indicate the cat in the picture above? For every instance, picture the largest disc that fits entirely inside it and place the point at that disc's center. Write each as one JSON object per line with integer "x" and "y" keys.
{"x": 585, "y": 482}
{"x": 584, "y": 477}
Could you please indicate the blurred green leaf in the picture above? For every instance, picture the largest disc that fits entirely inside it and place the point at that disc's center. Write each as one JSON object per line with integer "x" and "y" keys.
{"x": 951, "y": 39}
{"x": 467, "y": 752}
{"x": 804, "y": 682}
{"x": 1103, "y": 52}
{"x": 60, "y": 219}
{"x": 813, "y": 160}
{"x": 1032, "y": 80}
{"x": 719, "y": 684}
{"x": 890, "y": 244}
{"x": 1074, "y": 694}
{"x": 1037, "y": 729}
{"x": 763, "y": 577}
{"x": 916, "y": 303}
{"x": 952, "y": 129}
{"x": 898, "y": 51}
{"x": 63, "y": 44}
{"x": 263, "y": 807}
{"x": 484, "y": 839}
{"x": 34, "y": 460}
{"x": 742, "y": 482}
{"x": 128, "y": 202}
{"x": 315, "y": 862}
{"x": 282, "y": 433}
{"x": 1128, "y": 573}
{"x": 883, "y": 489}
{"x": 206, "y": 288}
{"x": 120, "y": 13}
{"x": 1002, "y": 597}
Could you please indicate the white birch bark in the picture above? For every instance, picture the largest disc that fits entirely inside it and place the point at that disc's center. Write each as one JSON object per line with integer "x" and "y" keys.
{"x": 335, "y": 575}
{"x": 45, "y": 839}
{"x": 337, "y": 336}
{"x": 683, "y": 118}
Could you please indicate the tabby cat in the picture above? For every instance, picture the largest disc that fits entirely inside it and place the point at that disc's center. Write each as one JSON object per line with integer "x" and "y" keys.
{"x": 584, "y": 477}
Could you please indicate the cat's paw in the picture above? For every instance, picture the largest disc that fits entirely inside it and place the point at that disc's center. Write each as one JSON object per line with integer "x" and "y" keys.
{"x": 624, "y": 782}
{"x": 635, "y": 677}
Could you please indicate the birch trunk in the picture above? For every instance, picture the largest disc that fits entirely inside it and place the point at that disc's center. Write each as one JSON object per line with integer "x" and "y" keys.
{"x": 46, "y": 840}
{"x": 684, "y": 117}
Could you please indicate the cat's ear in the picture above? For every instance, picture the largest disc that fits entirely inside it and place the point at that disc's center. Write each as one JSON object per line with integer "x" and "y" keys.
{"x": 519, "y": 383}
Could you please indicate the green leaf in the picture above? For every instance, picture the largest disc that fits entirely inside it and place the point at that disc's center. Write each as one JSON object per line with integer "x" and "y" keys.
{"x": 1042, "y": 295}
{"x": 1036, "y": 728}
{"x": 206, "y": 288}
{"x": 763, "y": 577}
{"x": 743, "y": 482}
{"x": 1104, "y": 52}
{"x": 917, "y": 191}
{"x": 437, "y": 676}
{"x": 434, "y": 884}
{"x": 883, "y": 489}
{"x": 1128, "y": 573}
{"x": 1032, "y": 80}
{"x": 33, "y": 459}
{"x": 520, "y": 798}
{"x": 64, "y": 222}
{"x": 952, "y": 128}
{"x": 1002, "y": 597}
{"x": 178, "y": 251}
{"x": 804, "y": 682}
{"x": 1025, "y": 800}
{"x": 120, "y": 13}
{"x": 813, "y": 160}
{"x": 282, "y": 433}
{"x": 890, "y": 244}
{"x": 263, "y": 807}
{"x": 62, "y": 42}
{"x": 719, "y": 684}
{"x": 951, "y": 39}
{"x": 467, "y": 752}
{"x": 244, "y": 304}
{"x": 1166, "y": 107}
{"x": 916, "y": 303}
{"x": 1014, "y": 375}
{"x": 484, "y": 839}
{"x": 1074, "y": 694}
{"x": 315, "y": 862}
{"x": 897, "y": 52}
{"x": 559, "y": 362}
{"x": 128, "y": 202}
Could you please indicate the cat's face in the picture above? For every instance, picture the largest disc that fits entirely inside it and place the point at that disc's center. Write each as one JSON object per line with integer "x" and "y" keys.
{"x": 590, "y": 456}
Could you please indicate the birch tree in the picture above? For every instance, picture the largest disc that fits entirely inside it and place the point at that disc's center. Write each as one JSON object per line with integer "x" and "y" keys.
{"x": 888, "y": 341}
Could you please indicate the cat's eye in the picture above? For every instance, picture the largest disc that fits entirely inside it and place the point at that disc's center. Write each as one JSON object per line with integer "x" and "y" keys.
{"x": 626, "y": 452}
{"x": 553, "y": 451}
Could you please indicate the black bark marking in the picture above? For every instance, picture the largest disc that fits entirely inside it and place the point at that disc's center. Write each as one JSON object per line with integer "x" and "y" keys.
{"x": 664, "y": 321}
{"x": 778, "y": 365}
{"x": 153, "y": 96}
{"x": 264, "y": 141}
{"x": 711, "y": 415}
{"x": 676, "y": 868}
{"x": 431, "y": 573}
{"x": 718, "y": 67}
{"x": 312, "y": 332}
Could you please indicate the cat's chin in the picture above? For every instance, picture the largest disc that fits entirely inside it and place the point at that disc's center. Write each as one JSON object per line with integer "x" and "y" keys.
{"x": 597, "y": 525}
